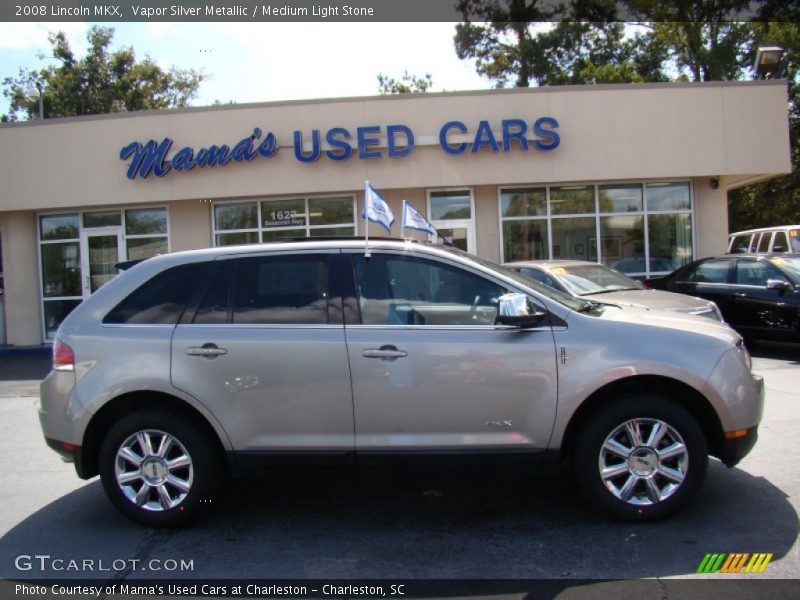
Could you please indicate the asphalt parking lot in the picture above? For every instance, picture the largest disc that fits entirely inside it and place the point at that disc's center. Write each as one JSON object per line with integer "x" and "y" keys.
{"x": 409, "y": 525}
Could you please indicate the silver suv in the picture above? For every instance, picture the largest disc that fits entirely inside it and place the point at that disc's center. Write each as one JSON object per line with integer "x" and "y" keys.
{"x": 193, "y": 366}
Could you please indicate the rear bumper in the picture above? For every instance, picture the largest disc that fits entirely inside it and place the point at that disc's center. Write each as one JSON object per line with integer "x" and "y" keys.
{"x": 69, "y": 453}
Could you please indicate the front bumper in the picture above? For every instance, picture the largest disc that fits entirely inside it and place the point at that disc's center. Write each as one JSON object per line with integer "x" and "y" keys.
{"x": 735, "y": 449}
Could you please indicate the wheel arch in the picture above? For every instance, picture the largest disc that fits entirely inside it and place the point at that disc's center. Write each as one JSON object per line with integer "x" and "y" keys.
{"x": 130, "y": 402}
{"x": 684, "y": 395}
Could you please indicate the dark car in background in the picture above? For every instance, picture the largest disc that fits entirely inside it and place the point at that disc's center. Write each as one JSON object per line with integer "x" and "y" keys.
{"x": 759, "y": 295}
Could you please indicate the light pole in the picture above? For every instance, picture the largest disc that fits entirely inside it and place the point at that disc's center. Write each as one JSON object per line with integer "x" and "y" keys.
{"x": 37, "y": 93}
{"x": 768, "y": 62}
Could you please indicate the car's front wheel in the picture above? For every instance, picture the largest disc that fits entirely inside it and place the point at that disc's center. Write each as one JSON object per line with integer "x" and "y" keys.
{"x": 158, "y": 468}
{"x": 641, "y": 458}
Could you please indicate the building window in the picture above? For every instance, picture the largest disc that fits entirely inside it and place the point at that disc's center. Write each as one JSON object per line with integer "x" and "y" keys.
{"x": 637, "y": 228}
{"x": 78, "y": 252}
{"x": 524, "y": 215}
{"x": 271, "y": 220}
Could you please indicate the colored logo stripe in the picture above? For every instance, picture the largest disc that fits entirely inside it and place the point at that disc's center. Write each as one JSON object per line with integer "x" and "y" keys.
{"x": 734, "y": 562}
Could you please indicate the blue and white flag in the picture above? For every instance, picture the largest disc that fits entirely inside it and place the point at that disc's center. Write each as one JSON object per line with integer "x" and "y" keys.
{"x": 376, "y": 209}
{"x": 413, "y": 219}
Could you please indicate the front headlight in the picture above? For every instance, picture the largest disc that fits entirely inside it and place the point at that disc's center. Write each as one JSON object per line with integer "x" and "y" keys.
{"x": 745, "y": 355}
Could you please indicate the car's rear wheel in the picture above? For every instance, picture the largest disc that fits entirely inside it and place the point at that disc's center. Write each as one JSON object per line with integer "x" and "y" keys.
{"x": 641, "y": 458}
{"x": 158, "y": 468}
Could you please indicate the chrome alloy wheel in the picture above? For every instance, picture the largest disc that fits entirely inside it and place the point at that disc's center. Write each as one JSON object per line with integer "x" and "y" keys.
{"x": 643, "y": 461}
{"x": 154, "y": 470}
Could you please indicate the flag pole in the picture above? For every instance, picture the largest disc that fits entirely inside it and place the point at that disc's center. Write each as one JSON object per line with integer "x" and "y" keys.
{"x": 366, "y": 221}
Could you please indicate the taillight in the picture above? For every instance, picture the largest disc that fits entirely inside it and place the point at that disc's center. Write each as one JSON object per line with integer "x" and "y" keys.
{"x": 646, "y": 284}
{"x": 63, "y": 356}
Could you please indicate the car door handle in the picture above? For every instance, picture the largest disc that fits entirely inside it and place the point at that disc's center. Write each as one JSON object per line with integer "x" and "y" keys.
{"x": 210, "y": 350}
{"x": 384, "y": 352}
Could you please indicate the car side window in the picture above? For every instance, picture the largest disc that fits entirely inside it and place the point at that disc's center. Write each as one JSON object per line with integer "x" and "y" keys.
{"x": 281, "y": 290}
{"x": 405, "y": 290}
{"x": 215, "y": 306}
{"x": 711, "y": 271}
{"x": 756, "y": 273}
{"x": 740, "y": 244}
{"x": 161, "y": 299}
{"x": 763, "y": 244}
{"x": 781, "y": 243}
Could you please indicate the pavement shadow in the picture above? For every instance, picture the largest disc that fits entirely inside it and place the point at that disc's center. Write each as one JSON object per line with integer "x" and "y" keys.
{"x": 777, "y": 350}
{"x": 394, "y": 524}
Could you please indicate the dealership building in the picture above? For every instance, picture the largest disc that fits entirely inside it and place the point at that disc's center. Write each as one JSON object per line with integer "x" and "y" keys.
{"x": 633, "y": 176}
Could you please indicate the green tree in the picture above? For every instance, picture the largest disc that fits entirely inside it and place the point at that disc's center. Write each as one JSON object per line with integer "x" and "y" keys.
{"x": 690, "y": 40}
{"x": 777, "y": 201}
{"x": 512, "y": 42}
{"x": 104, "y": 81}
{"x": 408, "y": 84}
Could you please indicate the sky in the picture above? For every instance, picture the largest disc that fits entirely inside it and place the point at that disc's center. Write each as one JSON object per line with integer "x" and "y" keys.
{"x": 262, "y": 62}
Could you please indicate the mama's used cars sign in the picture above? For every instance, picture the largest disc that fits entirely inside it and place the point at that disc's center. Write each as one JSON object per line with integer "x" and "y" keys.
{"x": 340, "y": 144}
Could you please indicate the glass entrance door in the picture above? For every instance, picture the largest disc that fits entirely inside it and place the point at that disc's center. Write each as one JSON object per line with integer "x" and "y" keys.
{"x": 451, "y": 212}
{"x": 460, "y": 234}
{"x": 101, "y": 250}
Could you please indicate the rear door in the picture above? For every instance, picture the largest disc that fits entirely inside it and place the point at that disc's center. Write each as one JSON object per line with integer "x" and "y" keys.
{"x": 710, "y": 279}
{"x": 263, "y": 349}
{"x": 432, "y": 372}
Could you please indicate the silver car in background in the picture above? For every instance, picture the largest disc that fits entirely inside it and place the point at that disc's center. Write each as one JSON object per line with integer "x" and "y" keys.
{"x": 589, "y": 280}
{"x": 194, "y": 366}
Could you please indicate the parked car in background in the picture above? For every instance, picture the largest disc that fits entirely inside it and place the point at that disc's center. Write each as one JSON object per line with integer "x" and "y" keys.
{"x": 195, "y": 365}
{"x": 583, "y": 279}
{"x": 785, "y": 238}
{"x": 637, "y": 265}
{"x": 759, "y": 295}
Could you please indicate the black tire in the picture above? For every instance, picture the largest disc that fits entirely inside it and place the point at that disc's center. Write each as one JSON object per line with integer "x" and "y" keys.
{"x": 663, "y": 495}
{"x": 172, "y": 505}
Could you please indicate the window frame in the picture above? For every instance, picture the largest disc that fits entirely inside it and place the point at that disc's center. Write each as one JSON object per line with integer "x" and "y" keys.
{"x": 260, "y": 229}
{"x": 645, "y": 212}
{"x": 79, "y": 240}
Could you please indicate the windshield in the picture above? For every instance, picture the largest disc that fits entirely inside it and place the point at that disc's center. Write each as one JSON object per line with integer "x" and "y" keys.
{"x": 544, "y": 290}
{"x": 593, "y": 279}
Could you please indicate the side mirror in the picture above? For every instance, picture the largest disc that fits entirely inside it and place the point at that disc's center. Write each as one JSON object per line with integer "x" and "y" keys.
{"x": 778, "y": 284}
{"x": 517, "y": 310}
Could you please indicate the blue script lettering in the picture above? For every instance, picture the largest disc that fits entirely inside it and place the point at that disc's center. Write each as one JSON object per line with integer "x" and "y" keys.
{"x": 151, "y": 157}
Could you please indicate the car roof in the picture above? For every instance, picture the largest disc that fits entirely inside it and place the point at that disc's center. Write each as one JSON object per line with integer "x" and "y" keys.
{"x": 763, "y": 229}
{"x": 551, "y": 264}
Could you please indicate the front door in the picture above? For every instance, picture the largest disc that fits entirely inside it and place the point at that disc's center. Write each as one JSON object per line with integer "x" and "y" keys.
{"x": 431, "y": 370}
{"x": 101, "y": 249}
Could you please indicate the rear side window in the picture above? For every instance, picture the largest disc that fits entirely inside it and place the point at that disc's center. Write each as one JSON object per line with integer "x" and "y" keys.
{"x": 712, "y": 271}
{"x": 160, "y": 300}
{"x": 281, "y": 290}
